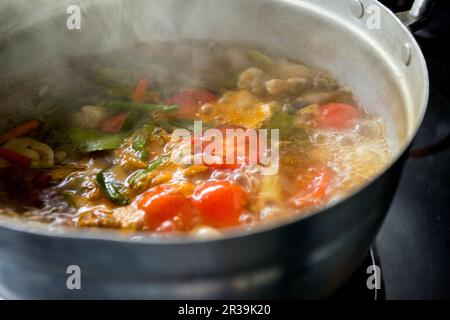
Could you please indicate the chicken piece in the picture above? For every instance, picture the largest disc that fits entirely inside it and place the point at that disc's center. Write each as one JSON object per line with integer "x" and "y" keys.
{"x": 286, "y": 69}
{"x": 342, "y": 94}
{"x": 253, "y": 80}
{"x": 90, "y": 116}
{"x": 305, "y": 117}
{"x": 98, "y": 216}
{"x": 323, "y": 80}
{"x": 292, "y": 85}
{"x": 129, "y": 217}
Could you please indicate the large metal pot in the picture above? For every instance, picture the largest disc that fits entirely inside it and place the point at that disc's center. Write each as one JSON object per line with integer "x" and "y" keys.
{"x": 308, "y": 257}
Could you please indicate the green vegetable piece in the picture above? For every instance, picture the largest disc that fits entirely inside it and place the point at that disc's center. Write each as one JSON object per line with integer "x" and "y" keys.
{"x": 55, "y": 114}
{"x": 68, "y": 196}
{"x": 87, "y": 140}
{"x": 112, "y": 188}
{"x": 156, "y": 163}
{"x": 126, "y": 106}
{"x": 118, "y": 92}
{"x": 260, "y": 58}
{"x": 140, "y": 139}
{"x": 140, "y": 174}
{"x": 135, "y": 119}
{"x": 284, "y": 122}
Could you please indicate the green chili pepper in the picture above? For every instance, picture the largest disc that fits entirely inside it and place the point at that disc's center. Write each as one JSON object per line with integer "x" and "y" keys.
{"x": 140, "y": 139}
{"x": 112, "y": 188}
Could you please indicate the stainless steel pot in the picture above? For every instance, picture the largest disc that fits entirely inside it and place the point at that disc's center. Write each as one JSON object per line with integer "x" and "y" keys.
{"x": 359, "y": 41}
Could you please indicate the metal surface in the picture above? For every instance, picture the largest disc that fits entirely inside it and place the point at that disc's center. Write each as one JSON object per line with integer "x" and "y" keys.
{"x": 309, "y": 257}
{"x": 418, "y": 14}
{"x": 357, "y": 8}
{"x": 420, "y": 8}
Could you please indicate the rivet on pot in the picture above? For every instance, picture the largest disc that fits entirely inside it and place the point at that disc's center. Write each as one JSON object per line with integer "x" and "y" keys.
{"x": 406, "y": 54}
{"x": 357, "y": 8}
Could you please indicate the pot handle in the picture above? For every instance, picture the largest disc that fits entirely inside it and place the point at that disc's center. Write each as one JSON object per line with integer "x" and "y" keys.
{"x": 419, "y": 14}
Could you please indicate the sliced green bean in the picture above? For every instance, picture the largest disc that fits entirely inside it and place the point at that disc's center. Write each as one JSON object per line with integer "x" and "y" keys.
{"x": 140, "y": 139}
{"x": 126, "y": 106}
{"x": 140, "y": 174}
{"x": 112, "y": 188}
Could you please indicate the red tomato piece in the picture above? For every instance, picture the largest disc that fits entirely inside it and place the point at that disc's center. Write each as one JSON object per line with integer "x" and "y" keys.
{"x": 219, "y": 203}
{"x": 337, "y": 116}
{"x": 189, "y": 100}
{"x": 312, "y": 187}
{"x": 166, "y": 209}
{"x": 15, "y": 158}
{"x": 114, "y": 123}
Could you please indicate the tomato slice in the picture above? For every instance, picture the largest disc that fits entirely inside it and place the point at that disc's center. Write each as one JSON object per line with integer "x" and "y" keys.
{"x": 219, "y": 203}
{"x": 337, "y": 116}
{"x": 189, "y": 100}
{"x": 166, "y": 209}
{"x": 312, "y": 186}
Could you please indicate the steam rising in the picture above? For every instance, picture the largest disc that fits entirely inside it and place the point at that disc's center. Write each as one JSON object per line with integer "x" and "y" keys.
{"x": 34, "y": 31}
{"x": 34, "y": 38}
